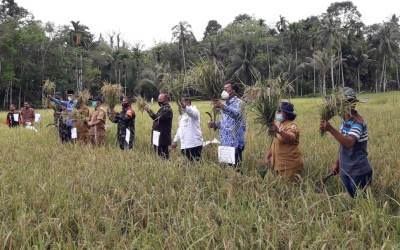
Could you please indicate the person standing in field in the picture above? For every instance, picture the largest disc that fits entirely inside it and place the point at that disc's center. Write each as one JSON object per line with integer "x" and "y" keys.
{"x": 97, "y": 124}
{"x": 81, "y": 122}
{"x": 67, "y": 107}
{"x": 189, "y": 131}
{"x": 284, "y": 155}
{"x": 126, "y": 124}
{"x": 13, "y": 117}
{"x": 353, "y": 166}
{"x": 27, "y": 115}
{"x": 162, "y": 126}
{"x": 232, "y": 126}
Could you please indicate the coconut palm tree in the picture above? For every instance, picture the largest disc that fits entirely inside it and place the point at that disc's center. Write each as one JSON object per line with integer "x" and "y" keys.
{"x": 182, "y": 34}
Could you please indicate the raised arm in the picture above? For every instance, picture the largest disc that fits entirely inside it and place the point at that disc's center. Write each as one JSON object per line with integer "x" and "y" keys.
{"x": 59, "y": 102}
{"x": 192, "y": 112}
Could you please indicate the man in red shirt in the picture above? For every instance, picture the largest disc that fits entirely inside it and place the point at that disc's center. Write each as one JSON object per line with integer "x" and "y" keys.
{"x": 27, "y": 115}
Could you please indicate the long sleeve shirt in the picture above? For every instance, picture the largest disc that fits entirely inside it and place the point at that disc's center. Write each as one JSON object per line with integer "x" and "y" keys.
{"x": 232, "y": 126}
{"x": 68, "y": 105}
{"x": 162, "y": 122}
{"x": 189, "y": 130}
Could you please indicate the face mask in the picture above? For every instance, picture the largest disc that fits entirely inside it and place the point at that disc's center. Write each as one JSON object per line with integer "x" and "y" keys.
{"x": 279, "y": 118}
{"x": 125, "y": 105}
{"x": 160, "y": 103}
{"x": 224, "y": 95}
{"x": 69, "y": 98}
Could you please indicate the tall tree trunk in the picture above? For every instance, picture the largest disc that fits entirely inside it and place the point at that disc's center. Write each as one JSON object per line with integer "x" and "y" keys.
{"x": 383, "y": 72}
{"x": 184, "y": 60}
{"x": 314, "y": 77}
{"x": 323, "y": 85}
{"x": 11, "y": 92}
{"x": 269, "y": 62}
{"x": 332, "y": 77}
{"x": 376, "y": 80}
{"x": 341, "y": 62}
{"x": 358, "y": 79}
{"x": 19, "y": 97}
{"x": 398, "y": 77}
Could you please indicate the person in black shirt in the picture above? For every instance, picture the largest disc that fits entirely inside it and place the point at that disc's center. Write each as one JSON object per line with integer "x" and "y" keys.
{"x": 162, "y": 125}
{"x": 126, "y": 124}
{"x": 13, "y": 117}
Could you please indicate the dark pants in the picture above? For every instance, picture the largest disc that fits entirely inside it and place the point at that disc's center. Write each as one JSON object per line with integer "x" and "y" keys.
{"x": 162, "y": 151}
{"x": 64, "y": 132}
{"x": 193, "y": 154}
{"x": 354, "y": 183}
{"x": 238, "y": 158}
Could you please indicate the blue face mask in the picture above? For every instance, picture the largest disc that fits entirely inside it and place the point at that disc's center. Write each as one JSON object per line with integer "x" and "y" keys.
{"x": 279, "y": 117}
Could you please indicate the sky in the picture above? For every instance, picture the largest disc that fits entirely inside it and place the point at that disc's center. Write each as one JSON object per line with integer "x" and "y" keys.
{"x": 149, "y": 21}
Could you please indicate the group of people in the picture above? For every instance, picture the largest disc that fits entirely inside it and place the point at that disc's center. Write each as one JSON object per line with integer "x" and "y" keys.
{"x": 25, "y": 117}
{"x": 283, "y": 157}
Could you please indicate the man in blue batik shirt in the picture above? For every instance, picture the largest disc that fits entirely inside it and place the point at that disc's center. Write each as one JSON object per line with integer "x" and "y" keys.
{"x": 69, "y": 105}
{"x": 232, "y": 126}
{"x": 353, "y": 166}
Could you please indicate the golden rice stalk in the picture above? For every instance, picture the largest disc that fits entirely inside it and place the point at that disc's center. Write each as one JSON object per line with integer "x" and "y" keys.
{"x": 83, "y": 98}
{"x": 332, "y": 105}
{"x": 141, "y": 103}
{"x": 209, "y": 76}
{"x": 263, "y": 99}
{"x": 111, "y": 94}
{"x": 49, "y": 87}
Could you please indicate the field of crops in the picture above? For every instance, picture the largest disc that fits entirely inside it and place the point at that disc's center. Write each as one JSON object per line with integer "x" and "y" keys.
{"x": 72, "y": 196}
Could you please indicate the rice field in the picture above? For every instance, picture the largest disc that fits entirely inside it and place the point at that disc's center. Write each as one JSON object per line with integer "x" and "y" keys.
{"x": 55, "y": 196}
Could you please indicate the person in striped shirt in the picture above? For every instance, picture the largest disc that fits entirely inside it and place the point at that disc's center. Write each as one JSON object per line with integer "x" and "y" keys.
{"x": 353, "y": 166}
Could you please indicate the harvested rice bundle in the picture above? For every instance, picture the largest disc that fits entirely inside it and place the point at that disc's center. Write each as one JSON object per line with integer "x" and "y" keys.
{"x": 333, "y": 105}
{"x": 49, "y": 88}
{"x": 263, "y": 99}
{"x": 141, "y": 103}
{"x": 83, "y": 98}
{"x": 111, "y": 94}
{"x": 209, "y": 78}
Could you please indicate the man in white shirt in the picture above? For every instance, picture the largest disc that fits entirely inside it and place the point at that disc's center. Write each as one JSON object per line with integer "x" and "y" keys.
{"x": 189, "y": 131}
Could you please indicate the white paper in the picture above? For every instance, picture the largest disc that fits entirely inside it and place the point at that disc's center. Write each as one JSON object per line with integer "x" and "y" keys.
{"x": 226, "y": 154}
{"x": 37, "y": 118}
{"x": 16, "y": 117}
{"x": 74, "y": 133}
{"x": 214, "y": 141}
{"x": 156, "y": 138}
{"x": 127, "y": 135}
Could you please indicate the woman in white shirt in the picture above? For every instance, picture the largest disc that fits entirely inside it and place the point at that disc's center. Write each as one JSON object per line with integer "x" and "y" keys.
{"x": 189, "y": 131}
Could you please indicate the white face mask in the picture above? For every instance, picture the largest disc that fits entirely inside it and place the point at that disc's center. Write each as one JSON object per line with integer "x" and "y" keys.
{"x": 69, "y": 98}
{"x": 224, "y": 95}
{"x": 279, "y": 117}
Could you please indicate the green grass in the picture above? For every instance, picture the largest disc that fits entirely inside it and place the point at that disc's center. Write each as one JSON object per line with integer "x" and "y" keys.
{"x": 74, "y": 197}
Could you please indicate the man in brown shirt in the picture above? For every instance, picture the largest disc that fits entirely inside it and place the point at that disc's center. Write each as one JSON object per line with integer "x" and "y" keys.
{"x": 27, "y": 115}
{"x": 97, "y": 124}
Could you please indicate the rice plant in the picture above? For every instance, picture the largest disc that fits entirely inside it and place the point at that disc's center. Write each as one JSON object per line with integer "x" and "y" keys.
{"x": 263, "y": 99}
{"x": 209, "y": 77}
{"x": 111, "y": 94}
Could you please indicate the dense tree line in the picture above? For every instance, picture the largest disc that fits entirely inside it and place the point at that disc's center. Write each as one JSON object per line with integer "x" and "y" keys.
{"x": 315, "y": 54}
